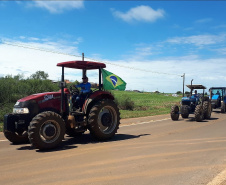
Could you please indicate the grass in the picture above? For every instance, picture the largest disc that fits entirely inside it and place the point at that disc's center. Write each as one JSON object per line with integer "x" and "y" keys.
{"x": 147, "y": 104}
{"x": 144, "y": 104}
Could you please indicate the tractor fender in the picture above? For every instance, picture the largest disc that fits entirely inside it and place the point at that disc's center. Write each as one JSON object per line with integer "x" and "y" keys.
{"x": 94, "y": 97}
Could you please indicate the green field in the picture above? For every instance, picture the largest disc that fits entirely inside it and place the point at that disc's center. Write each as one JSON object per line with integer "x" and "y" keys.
{"x": 145, "y": 104}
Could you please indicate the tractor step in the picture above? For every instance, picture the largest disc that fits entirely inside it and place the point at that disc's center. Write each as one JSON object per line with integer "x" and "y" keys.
{"x": 77, "y": 113}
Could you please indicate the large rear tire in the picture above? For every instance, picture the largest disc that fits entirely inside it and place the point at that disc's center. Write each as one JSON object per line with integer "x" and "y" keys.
{"x": 16, "y": 138}
{"x": 207, "y": 109}
{"x": 174, "y": 113}
{"x": 104, "y": 119}
{"x": 199, "y": 114}
{"x": 46, "y": 130}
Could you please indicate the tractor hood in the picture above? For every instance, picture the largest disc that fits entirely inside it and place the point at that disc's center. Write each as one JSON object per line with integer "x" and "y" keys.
{"x": 40, "y": 96}
{"x": 189, "y": 99}
{"x": 43, "y": 96}
{"x": 39, "y": 102}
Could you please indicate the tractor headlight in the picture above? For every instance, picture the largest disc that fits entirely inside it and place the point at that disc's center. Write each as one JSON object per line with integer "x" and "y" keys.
{"x": 20, "y": 110}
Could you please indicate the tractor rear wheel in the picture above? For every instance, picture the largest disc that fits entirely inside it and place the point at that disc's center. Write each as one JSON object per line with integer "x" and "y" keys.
{"x": 207, "y": 109}
{"x": 199, "y": 113}
{"x": 174, "y": 113}
{"x": 46, "y": 130}
{"x": 104, "y": 119}
{"x": 16, "y": 138}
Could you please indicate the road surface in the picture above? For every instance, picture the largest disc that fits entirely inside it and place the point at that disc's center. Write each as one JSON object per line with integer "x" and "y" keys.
{"x": 146, "y": 151}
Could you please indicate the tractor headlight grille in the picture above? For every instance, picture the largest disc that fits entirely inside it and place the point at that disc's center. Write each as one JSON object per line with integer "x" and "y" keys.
{"x": 20, "y": 110}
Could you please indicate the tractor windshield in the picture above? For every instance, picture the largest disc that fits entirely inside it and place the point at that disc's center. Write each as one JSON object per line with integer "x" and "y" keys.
{"x": 218, "y": 92}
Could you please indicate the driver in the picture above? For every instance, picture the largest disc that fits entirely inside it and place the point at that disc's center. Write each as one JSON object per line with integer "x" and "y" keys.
{"x": 85, "y": 90}
{"x": 196, "y": 96}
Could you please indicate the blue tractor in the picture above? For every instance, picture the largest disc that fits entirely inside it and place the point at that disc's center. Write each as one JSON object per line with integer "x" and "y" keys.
{"x": 218, "y": 98}
{"x": 196, "y": 104}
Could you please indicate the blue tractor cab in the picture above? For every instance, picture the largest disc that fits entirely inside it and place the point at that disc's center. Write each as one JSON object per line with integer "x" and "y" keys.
{"x": 218, "y": 98}
{"x": 195, "y": 103}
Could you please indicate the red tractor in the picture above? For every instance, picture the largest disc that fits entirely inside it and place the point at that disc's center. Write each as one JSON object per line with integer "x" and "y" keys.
{"x": 44, "y": 118}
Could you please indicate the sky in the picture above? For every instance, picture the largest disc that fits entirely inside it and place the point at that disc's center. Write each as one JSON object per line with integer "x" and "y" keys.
{"x": 149, "y": 44}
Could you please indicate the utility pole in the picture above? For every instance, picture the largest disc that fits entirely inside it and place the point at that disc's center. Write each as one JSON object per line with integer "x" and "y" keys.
{"x": 191, "y": 87}
{"x": 183, "y": 82}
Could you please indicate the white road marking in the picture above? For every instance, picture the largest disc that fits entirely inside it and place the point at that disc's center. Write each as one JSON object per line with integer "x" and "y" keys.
{"x": 3, "y": 140}
{"x": 141, "y": 123}
{"x": 220, "y": 178}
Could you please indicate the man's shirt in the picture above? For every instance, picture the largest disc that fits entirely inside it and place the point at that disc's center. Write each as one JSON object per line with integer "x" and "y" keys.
{"x": 85, "y": 87}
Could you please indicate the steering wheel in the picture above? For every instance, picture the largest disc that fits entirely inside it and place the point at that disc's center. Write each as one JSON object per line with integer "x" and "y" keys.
{"x": 74, "y": 90}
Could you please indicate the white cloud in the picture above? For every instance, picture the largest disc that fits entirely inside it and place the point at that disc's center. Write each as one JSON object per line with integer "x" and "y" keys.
{"x": 58, "y": 6}
{"x": 19, "y": 58}
{"x": 221, "y": 51}
{"x": 198, "y": 40}
{"x": 140, "y": 13}
{"x": 206, "y": 20}
{"x": 148, "y": 75}
{"x": 146, "y": 78}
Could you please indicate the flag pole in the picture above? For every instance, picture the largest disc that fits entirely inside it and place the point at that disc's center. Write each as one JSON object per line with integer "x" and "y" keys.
{"x": 84, "y": 70}
{"x": 100, "y": 79}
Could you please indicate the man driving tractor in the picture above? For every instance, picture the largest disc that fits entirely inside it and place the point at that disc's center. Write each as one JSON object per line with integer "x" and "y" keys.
{"x": 78, "y": 99}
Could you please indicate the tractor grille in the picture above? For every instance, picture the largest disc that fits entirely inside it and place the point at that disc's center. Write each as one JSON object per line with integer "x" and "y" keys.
{"x": 186, "y": 103}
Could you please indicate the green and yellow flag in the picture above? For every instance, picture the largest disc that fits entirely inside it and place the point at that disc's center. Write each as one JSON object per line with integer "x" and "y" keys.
{"x": 111, "y": 81}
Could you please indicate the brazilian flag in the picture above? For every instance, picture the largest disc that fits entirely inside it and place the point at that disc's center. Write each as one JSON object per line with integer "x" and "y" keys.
{"x": 111, "y": 81}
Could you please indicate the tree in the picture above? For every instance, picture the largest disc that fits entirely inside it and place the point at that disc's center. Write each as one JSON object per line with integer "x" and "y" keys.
{"x": 41, "y": 75}
{"x": 187, "y": 93}
{"x": 179, "y": 92}
{"x": 19, "y": 77}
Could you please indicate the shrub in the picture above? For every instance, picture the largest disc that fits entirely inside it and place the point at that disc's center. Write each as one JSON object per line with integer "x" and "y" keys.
{"x": 125, "y": 103}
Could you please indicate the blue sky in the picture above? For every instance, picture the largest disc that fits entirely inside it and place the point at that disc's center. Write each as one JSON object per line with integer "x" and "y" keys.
{"x": 149, "y": 44}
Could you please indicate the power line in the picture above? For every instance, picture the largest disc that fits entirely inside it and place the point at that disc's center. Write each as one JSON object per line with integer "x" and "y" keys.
{"x": 38, "y": 49}
{"x": 61, "y": 53}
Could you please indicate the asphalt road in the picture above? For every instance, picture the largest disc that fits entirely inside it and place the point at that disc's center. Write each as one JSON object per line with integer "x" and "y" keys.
{"x": 145, "y": 151}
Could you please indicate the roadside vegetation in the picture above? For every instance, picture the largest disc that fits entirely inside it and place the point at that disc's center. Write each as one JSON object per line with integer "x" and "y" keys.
{"x": 131, "y": 104}
{"x": 135, "y": 104}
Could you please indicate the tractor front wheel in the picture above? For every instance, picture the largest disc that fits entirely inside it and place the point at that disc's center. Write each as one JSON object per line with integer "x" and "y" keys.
{"x": 174, "y": 113}
{"x": 16, "y": 138}
{"x": 199, "y": 113}
{"x": 104, "y": 119}
{"x": 46, "y": 130}
{"x": 223, "y": 107}
{"x": 207, "y": 109}
{"x": 185, "y": 111}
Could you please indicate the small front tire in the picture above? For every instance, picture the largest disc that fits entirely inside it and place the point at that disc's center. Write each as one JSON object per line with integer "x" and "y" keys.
{"x": 207, "y": 109}
{"x": 223, "y": 107}
{"x": 46, "y": 130}
{"x": 199, "y": 113}
{"x": 174, "y": 113}
{"x": 16, "y": 138}
{"x": 185, "y": 111}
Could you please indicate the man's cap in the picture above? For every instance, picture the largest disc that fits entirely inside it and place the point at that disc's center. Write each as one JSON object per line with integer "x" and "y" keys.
{"x": 85, "y": 77}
